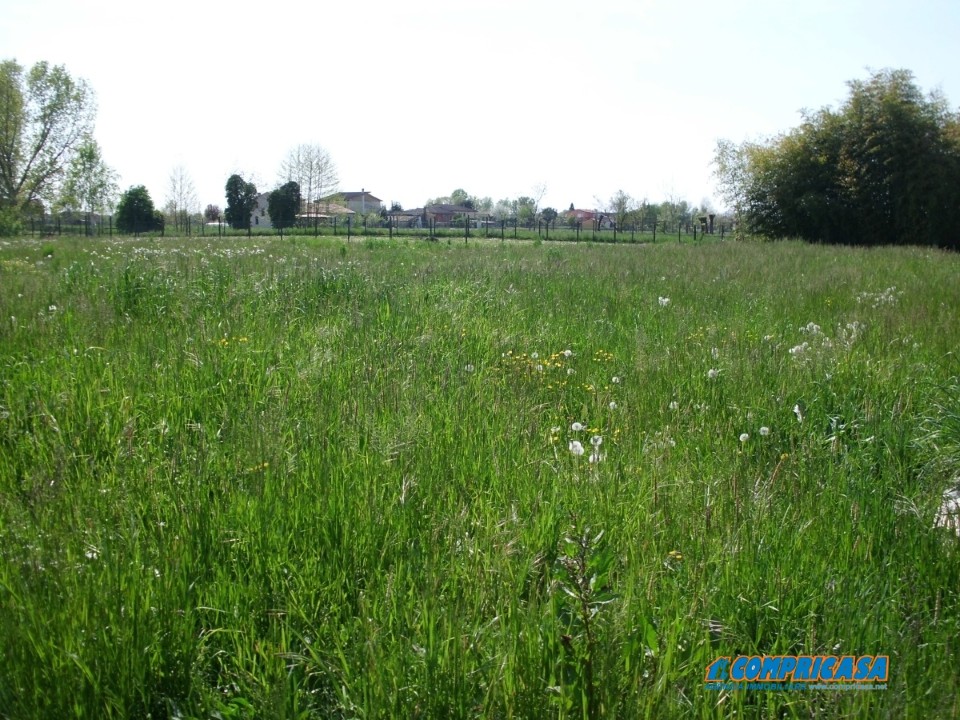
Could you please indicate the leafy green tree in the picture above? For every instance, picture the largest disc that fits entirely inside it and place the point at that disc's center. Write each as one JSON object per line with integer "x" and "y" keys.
{"x": 90, "y": 184}
{"x": 526, "y": 210}
{"x": 211, "y": 213}
{"x": 549, "y": 215}
{"x": 45, "y": 116}
{"x": 883, "y": 169}
{"x": 136, "y": 213}
{"x": 283, "y": 205}
{"x": 241, "y": 200}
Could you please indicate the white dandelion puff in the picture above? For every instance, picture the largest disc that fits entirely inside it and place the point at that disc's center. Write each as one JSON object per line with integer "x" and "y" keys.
{"x": 613, "y": 405}
{"x": 674, "y": 405}
{"x": 576, "y": 447}
{"x": 664, "y": 301}
{"x": 567, "y": 353}
{"x": 713, "y": 373}
{"x": 764, "y": 431}
{"x": 744, "y": 437}
{"x": 577, "y": 427}
{"x": 615, "y": 379}
{"x": 596, "y": 440}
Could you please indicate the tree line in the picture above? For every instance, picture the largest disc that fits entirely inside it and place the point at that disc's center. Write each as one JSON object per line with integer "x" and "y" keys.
{"x": 882, "y": 169}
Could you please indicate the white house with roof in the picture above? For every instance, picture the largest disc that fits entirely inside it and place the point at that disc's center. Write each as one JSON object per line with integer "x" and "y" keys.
{"x": 361, "y": 202}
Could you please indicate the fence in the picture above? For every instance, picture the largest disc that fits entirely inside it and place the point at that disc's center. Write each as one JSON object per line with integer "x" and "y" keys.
{"x": 480, "y": 227}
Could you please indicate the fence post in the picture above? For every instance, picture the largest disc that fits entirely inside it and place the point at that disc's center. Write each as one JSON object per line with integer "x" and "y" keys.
{"x": 349, "y": 225}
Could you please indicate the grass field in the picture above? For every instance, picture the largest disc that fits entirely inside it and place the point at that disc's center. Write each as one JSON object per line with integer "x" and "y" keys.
{"x": 255, "y": 478}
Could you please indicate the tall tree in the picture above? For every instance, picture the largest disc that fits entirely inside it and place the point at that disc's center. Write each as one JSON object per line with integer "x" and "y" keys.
{"x": 136, "y": 213}
{"x": 313, "y": 169}
{"x": 90, "y": 185}
{"x": 283, "y": 205}
{"x": 241, "y": 200}
{"x": 211, "y": 213}
{"x": 181, "y": 197}
{"x": 882, "y": 169}
{"x": 45, "y": 116}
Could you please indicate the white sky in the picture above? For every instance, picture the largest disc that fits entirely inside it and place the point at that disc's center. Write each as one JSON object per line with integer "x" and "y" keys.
{"x": 414, "y": 99}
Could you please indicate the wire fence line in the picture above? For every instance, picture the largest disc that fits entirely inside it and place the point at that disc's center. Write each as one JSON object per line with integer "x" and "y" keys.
{"x": 348, "y": 227}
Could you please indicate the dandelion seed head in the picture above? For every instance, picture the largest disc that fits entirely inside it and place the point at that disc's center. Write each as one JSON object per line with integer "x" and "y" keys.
{"x": 764, "y": 431}
{"x": 577, "y": 427}
{"x": 596, "y": 440}
{"x": 664, "y": 301}
{"x": 567, "y": 353}
{"x": 674, "y": 405}
{"x": 713, "y": 373}
{"x": 744, "y": 437}
{"x": 613, "y": 405}
{"x": 576, "y": 447}
{"x": 615, "y": 379}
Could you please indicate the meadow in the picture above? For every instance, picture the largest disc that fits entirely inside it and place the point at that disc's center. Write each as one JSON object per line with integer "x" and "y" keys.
{"x": 312, "y": 478}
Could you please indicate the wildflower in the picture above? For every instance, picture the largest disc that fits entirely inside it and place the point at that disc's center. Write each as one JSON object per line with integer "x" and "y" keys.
{"x": 674, "y": 405}
{"x": 52, "y": 308}
{"x": 567, "y": 353}
{"x": 534, "y": 356}
{"x": 576, "y": 447}
{"x": 615, "y": 379}
{"x": 744, "y": 437}
{"x": 713, "y": 373}
{"x": 596, "y": 441}
{"x": 664, "y": 301}
{"x": 764, "y": 431}
{"x": 577, "y": 427}
{"x": 613, "y": 405}
{"x": 675, "y": 555}
{"x": 570, "y": 371}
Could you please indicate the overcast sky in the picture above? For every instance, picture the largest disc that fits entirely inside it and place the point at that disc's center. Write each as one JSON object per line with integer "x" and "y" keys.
{"x": 414, "y": 99}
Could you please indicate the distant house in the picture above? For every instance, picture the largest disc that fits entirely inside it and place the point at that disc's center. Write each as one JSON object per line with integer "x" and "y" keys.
{"x": 260, "y": 218}
{"x": 407, "y": 218}
{"x": 324, "y": 210}
{"x": 361, "y": 202}
{"x": 446, "y": 213}
{"x": 590, "y": 218}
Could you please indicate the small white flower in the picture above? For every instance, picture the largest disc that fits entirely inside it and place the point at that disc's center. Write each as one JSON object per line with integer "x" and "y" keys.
{"x": 570, "y": 371}
{"x": 52, "y": 308}
{"x": 567, "y": 353}
{"x": 596, "y": 441}
{"x": 615, "y": 379}
{"x": 713, "y": 373}
{"x": 577, "y": 427}
{"x": 534, "y": 356}
{"x": 744, "y": 437}
{"x": 664, "y": 301}
{"x": 764, "y": 431}
{"x": 674, "y": 405}
{"x": 576, "y": 447}
{"x": 613, "y": 404}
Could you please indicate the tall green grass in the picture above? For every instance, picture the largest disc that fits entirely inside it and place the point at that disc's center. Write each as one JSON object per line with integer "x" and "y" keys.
{"x": 253, "y": 478}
